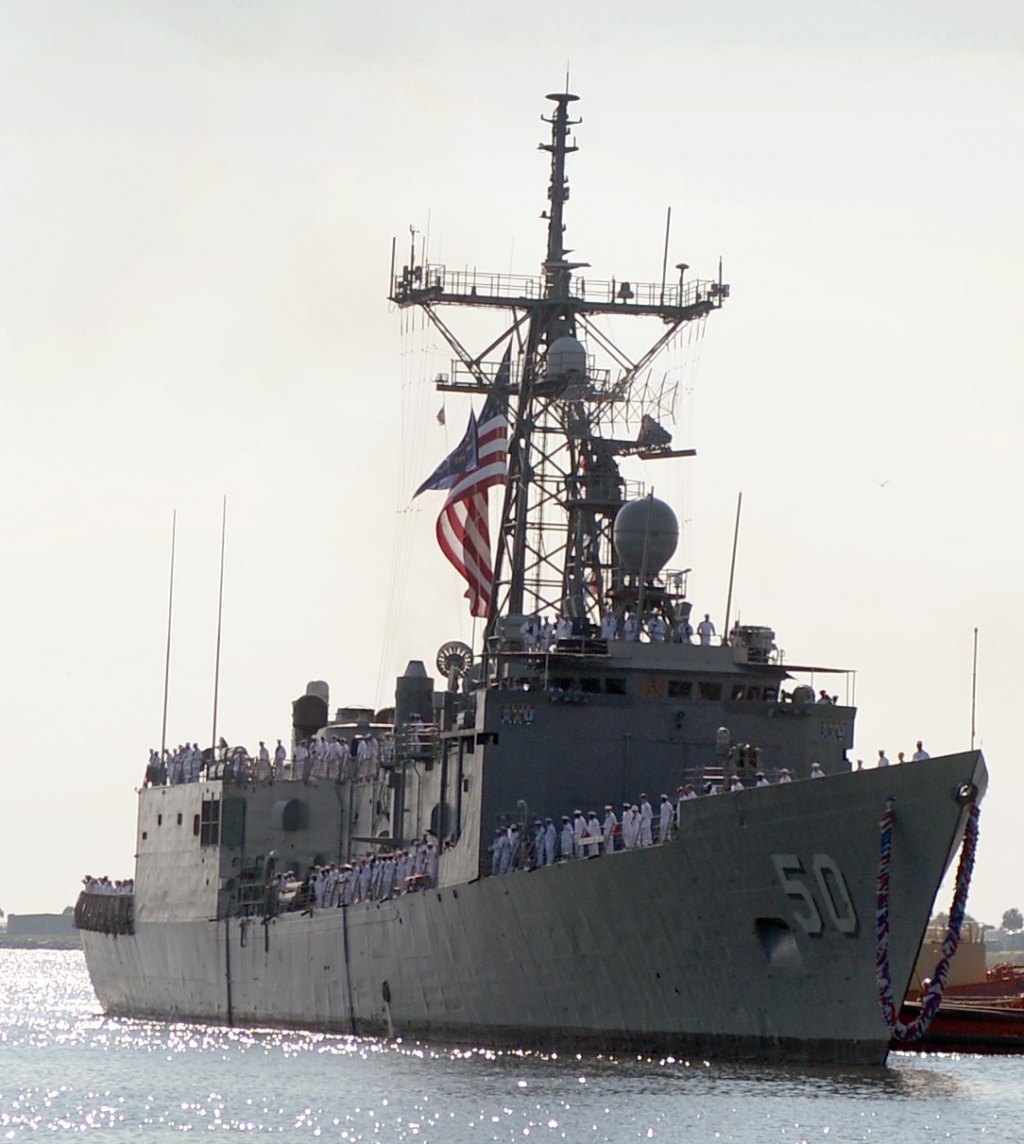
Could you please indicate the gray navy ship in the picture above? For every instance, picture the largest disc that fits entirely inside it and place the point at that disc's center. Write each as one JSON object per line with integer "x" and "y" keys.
{"x": 394, "y": 876}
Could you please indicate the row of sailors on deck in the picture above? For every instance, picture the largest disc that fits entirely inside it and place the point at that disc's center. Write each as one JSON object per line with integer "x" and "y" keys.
{"x": 587, "y": 836}
{"x": 334, "y": 758}
{"x": 105, "y": 886}
{"x": 373, "y": 879}
{"x": 542, "y": 635}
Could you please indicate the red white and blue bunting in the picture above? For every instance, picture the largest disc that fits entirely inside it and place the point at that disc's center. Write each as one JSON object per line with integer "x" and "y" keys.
{"x": 933, "y": 997}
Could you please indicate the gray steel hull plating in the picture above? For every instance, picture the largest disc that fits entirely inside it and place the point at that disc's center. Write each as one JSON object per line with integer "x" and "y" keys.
{"x": 666, "y": 949}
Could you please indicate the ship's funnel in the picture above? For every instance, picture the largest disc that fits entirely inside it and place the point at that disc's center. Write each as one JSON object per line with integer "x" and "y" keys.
{"x": 650, "y": 526}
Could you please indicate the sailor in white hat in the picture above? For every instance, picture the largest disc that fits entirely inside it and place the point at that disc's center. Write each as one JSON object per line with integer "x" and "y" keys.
{"x": 646, "y": 818}
{"x": 665, "y": 821}
{"x": 610, "y": 822}
{"x": 579, "y": 828}
{"x": 568, "y": 847}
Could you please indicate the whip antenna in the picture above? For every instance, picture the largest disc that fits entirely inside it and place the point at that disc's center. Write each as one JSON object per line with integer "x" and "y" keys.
{"x": 167, "y": 657}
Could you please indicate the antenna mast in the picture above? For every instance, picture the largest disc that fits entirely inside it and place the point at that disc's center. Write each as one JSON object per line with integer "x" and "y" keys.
{"x": 167, "y": 657}
{"x": 220, "y": 614}
{"x": 554, "y": 546}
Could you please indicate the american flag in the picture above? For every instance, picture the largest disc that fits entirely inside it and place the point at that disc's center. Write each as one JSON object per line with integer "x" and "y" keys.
{"x": 462, "y": 528}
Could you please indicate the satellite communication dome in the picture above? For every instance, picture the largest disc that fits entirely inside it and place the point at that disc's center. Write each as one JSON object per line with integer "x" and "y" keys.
{"x": 566, "y": 358}
{"x": 646, "y": 523}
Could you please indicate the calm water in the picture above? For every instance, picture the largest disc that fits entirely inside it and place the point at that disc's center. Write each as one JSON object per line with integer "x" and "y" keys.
{"x": 65, "y": 1069}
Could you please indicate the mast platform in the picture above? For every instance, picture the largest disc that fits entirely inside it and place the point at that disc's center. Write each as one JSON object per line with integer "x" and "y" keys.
{"x": 433, "y": 284}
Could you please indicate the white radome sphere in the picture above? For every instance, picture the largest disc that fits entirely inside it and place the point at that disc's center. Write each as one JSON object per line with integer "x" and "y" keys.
{"x": 630, "y": 534}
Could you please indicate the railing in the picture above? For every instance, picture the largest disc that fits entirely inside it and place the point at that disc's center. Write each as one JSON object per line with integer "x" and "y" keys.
{"x": 417, "y": 741}
{"x": 412, "y": 286}
{"x": 244, "y": 768}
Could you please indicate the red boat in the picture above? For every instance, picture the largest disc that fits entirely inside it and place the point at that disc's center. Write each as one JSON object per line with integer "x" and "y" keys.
{"x": 982, "y": 1010}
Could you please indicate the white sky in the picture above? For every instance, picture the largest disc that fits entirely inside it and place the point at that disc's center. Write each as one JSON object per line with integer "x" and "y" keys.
{"x": 196, "y": 209}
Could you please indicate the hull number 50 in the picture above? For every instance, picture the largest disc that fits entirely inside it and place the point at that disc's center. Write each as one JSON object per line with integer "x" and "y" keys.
{"x": 832, "y": 892}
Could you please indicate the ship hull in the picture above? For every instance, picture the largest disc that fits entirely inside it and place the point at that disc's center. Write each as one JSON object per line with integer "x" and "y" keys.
{"x": 751, "y": 936}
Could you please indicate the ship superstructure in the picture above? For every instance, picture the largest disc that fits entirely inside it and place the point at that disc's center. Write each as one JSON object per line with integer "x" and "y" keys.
{"x": 746, "y": 930}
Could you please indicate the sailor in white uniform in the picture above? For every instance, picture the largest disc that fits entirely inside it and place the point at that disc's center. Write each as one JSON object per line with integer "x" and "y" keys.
{"x": 658, "y": 629}
{"x": 920, "y": 754}
{"x": 761, "y": 780}
{"x": 816, "y": 771}
{"x": 579, "y": 828}
{"x": 301, "y": 760}
{"x": 333, "y": 758}
{"x": 610, "y": 822}
{"x": 550, "y": 837}
{"x": 785, "y": 775}
{"x": 538, "y": 844}
{"x": 263, "y": 770}
{"x": 882, "y": 760}
{"x": 503, "y": 852}
{"x": 563, "y": 629}
{"x": 608, "y": 626}
{"x": 280, "y": 755}
{"x": 547, "y": 634}
{"x": 592, "y": 839}
{"x": 735, "y": 783}
{"x": 515, "y": 849}
{"x": 646, "y": 818}
{"x": 705, "y": 629}
{"x": 318, "y": 755}
{"x": 530, "y": 631}
{"x": 665, "y": 821}
{"x": 630, "y": 629}
{"x": 567, "y": 838}
{"x": 625, "y": 831}
{"x": 631, "y": 827}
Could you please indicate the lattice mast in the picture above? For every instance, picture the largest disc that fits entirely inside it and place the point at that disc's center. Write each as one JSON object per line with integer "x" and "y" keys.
{"x": 554, "y": 551}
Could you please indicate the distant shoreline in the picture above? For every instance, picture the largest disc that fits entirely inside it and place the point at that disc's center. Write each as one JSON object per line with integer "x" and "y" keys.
{"x": 41, "y": 941}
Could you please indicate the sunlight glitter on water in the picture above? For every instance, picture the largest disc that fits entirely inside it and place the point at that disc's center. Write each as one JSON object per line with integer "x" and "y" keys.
{"x": 147, "y": 1080}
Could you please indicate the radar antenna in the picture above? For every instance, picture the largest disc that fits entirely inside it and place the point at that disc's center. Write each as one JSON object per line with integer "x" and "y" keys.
{"x": 454, "y": 659}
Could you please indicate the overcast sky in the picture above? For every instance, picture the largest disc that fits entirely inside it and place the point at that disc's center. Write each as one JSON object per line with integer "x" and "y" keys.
{"x": 197, "y": 202}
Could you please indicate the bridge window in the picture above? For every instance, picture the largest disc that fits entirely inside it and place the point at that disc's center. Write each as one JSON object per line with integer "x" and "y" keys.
{"x": 680, "y": 688}
{"x": 709, "y": 691}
